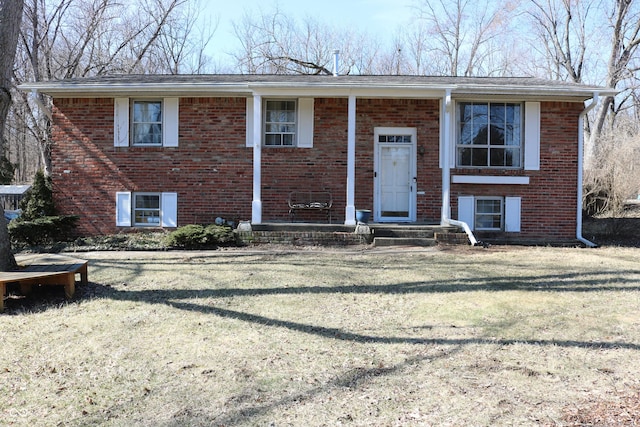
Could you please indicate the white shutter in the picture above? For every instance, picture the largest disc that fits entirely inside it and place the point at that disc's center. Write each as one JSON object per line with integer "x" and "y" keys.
{"x": 532, "y": 136}
{"x": 512, "y": 214}
{"x": 169, "y": 213}
{"x": 305, "y": 122}
{"x": 249, "y": 121}
{"x": 170, "y": 122}
{"x": 123, "y": 209}
{"x": 121, "y": 122}
{"x": 466, "y": 210}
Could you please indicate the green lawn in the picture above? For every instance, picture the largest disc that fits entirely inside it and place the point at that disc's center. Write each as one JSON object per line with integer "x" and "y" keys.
{"x": 305, "y": 337}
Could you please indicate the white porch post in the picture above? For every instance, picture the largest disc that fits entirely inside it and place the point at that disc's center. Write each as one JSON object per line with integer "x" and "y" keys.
{"x": 256, "y": 204}
{"x": 350, "y": 210}
{"x": 446, "y": 160}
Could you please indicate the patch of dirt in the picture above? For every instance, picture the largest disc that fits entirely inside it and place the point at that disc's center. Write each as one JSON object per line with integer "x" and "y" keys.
{"x": 624, "y": 411}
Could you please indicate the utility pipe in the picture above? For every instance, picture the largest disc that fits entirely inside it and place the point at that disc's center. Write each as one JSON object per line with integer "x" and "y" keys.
{"x": 594, "y": 102}
{"x": 446, "y": 173}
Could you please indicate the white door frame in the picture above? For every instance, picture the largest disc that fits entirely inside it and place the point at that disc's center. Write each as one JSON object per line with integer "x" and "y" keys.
{"x": 377, "y": 217}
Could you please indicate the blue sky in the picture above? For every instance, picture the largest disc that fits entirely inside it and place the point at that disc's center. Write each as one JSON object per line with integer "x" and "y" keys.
{"x": 374, "y": 16}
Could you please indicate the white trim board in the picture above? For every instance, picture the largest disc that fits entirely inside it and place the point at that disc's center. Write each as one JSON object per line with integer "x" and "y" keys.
{"x": 490, "y": 179}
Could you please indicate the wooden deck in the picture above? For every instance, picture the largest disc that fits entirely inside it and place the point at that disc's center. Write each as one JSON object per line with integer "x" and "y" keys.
{"x": 44, "y": 269}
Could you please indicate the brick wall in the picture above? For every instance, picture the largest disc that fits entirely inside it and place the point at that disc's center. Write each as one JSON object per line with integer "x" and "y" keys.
{"x": 212, "y": 168}
{"x": 549, "y": 202}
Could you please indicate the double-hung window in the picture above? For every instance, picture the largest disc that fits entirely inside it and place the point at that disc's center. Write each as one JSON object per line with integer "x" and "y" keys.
{"x": 146, "y": 123}
{"x": 491, "y": 213}
{"x": 141, "y": 209}
{"x": 488, "y": 213}
{"x": 490, "y": 134}
{"x": 280, "y": 123}
{"x": 146, "y": 209}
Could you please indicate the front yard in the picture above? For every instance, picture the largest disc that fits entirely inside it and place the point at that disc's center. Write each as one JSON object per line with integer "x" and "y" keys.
{"x": 363, "y": 337}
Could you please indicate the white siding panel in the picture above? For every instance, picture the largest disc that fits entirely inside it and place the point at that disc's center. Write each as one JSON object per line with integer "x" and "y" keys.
{"x": 169, "y": 206}
{"x": 512, "y": 213}
{"x": 305, "y": 122}
{"x": 532, "y": 136}
{"x": 466, "y": 210}
{"x": 123, "y": 209}
{"x": 171, "y": 120}
{"x": 121, "y": 122}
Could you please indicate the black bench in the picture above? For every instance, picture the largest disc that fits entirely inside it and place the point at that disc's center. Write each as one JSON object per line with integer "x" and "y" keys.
{"x": 310, "y": 200}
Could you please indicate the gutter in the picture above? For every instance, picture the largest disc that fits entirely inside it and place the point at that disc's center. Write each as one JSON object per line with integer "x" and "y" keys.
{"x": 446, "y": 175}
{"x": 583, "y": 114}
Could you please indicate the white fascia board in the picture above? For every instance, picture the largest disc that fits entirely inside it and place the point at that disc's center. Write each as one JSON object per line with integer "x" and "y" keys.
{"x": 59, "y": 90}
{"x": 531, "y": 91}
{"x": 490, "y": 179}
{"x": 333, "y": 92}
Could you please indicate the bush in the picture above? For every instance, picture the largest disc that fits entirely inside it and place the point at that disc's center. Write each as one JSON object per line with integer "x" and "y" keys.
{"x": 44, "y": 230}
{"x": 38, "y": 201}
{"x": 198, "y": 236}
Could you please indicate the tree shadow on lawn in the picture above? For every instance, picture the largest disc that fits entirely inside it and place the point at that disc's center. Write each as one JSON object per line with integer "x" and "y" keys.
{"x": 183, "y": 299}
{"x": 435, "y": 348}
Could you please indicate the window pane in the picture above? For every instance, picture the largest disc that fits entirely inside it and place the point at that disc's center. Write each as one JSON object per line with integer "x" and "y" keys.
{"x": 488, "y": 206}
{"x": 513, "y": 129}
{"x": 480, "y": 124}
{"x": 479, "y": 156}
{"x": 272, "y": 139}
{"x": 512, "y": 157}
{"x": 464, "y": 156}
{"x": 287, "y": 139}
{"x": 147, "y": 111}
{"x": 148, "y": 201}
{"x": 497, "y": 157}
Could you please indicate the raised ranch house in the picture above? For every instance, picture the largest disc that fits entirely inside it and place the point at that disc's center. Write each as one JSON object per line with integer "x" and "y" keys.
{"x": 501, "y": 155}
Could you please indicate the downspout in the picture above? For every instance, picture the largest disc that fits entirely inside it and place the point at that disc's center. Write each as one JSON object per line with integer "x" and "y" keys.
{"x": 583, "y": 114}
{"x": 446, "y": 174}
{"x": 44, "y": 109}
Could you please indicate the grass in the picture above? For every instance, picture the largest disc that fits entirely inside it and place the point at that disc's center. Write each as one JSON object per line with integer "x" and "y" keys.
{"x": 447, "y": 336}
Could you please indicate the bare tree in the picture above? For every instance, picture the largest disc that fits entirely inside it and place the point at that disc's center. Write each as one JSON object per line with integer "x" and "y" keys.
{"x": 79, "y": 38}
{"x": 273, "y": 43}
{"x": 10, "y": 16}
{"x": 459, "y": 34}
{"x": 565, "y": 30}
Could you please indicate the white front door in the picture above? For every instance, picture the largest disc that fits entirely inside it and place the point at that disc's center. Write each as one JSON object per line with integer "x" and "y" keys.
{"x": 395, "y": 172}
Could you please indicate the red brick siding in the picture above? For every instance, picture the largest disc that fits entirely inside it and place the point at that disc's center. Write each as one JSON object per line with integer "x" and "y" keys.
{"x": 324, "y": 167}
{"x": 549, "y": 202}
{"x": 212, "y": 168}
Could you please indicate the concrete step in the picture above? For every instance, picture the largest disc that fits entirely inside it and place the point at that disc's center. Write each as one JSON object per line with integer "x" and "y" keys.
{"x": 403, "y": 241}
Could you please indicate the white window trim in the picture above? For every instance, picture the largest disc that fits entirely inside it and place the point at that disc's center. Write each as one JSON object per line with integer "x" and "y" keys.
{"x": 531, "y": 142}
{"x": 475, "y": 213}
{"x": 511, "y": 212}
{"x": 265, "y": 101}
{"x": 304, "y": 125}
{"x": 123, "y": 122}
{"x": 456, "y": 135}
{"x": 125, "y": 211}
{"x": 132, "y": 123}
{"x": 133, "y": 209}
